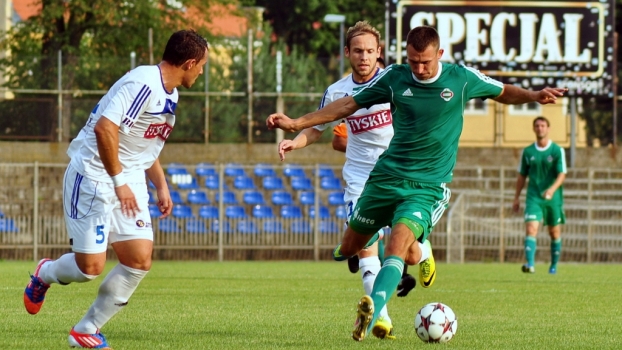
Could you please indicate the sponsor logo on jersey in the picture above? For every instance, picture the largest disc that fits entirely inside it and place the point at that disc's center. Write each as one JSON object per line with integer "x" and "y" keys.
{"x": 362, "y": 123}
{"x": 142, "y": 224}
{"x": 162, "y": 131}
{"x": 362, "y": 219}
{"x": 407, "y": 92}
{"x": 447, "y": 94}
{"x": 549, "y": 159}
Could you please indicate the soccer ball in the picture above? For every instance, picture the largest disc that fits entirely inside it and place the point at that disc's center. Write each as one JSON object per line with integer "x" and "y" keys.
{"x": 436, "y": 323}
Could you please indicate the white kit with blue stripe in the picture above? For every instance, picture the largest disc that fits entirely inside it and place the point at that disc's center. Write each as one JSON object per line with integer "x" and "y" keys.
{"x": 369, "y": 132}
{"x": 145, "y": 113}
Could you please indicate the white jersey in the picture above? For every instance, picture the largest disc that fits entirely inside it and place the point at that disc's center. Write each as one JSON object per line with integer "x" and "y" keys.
{"x": 145, "y": 113}
{"x": 369, "y": 132}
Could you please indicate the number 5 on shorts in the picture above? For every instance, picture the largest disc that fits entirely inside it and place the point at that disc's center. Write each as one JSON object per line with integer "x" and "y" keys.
{"x": 100, "y": 234}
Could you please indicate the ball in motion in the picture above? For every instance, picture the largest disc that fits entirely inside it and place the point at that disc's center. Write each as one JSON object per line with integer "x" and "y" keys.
{"x": 436, "y": 323}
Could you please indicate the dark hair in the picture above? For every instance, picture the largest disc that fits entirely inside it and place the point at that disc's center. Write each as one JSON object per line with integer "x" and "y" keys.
{"x": 542, "y": 119}
{"x": 380, "y": 60}
{"x": 422, "y": 37}
{"x": 184, "y": 45}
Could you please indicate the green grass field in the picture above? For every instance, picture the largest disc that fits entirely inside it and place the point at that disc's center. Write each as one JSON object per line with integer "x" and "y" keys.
{"x": 306, "y": 305}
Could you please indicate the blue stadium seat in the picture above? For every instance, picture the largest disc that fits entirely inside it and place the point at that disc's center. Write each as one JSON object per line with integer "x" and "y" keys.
{"x": 234, "y": 169}
{"x": 206, "y": 169}
{"x": 176, "y": 197}
{"x": 330, "y": 227}
{"x": 152, "y": 200}
{"x": 335, "y": 198}
{"x": 300, "y": 227}
{"x": 185, "y": 182}
{"x": 282, "y": 198}
{"x": 235, "y": 212}
{"x": 154, "y": 211}
{"x": 8, "y": 225}
{"x": 301, "y": 183}
{"x": 244, "y": 182}
{"x": 1, "y": 214}
{"x": 253, "y": 197}
{"x": 324, "y": 212}
{"x": 168, "y": 225}
{"x": 273, "y": 183}
{"x": 341, "y": 212}
{"x": 262, "y": 211}
{"x": 196, "y": 226}
{"x": 330, "y": 183}
{"x": 293, "y": 170}
{"x": 182, "y": 211}
{"x": 198, "y": 197}
{"x": 216, "y": 224}
{"x": 262, "y": 170}
{"x": 291, "y": 212}
{"x": 208, "y": 212}
{"x": 212, "y": 182}
{"x": 273, "y": 226}
{"x": 176, "y": 168}
{"x": 247, "y": 227}
{"x": 228, "y": 197}
{"x": 307, "y": 198}
{"x": 325, "y": 171}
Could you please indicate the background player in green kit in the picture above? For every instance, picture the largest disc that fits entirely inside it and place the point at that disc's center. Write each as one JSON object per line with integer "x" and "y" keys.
{"x": 407, "y": 187}
{"x": 544, "y": 162}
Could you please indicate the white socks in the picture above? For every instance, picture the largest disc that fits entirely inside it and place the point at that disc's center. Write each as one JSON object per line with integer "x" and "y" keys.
{"x": 370, "y": 267}
{"x": 64, "y": 270}
{"x": 114, "y": 292}
{"x": 426, "y": 250}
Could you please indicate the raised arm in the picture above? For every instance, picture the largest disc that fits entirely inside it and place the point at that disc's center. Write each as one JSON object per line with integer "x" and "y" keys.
{"x": 339, "y": 109}
{"x": 514, "y": 95}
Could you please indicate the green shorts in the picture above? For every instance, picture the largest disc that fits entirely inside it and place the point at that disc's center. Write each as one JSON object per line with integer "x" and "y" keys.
{"x": 550, "y": 212}
{"x": 387, "y": 199}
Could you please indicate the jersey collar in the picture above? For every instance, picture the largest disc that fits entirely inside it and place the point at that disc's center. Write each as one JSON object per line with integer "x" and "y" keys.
{"x": 535, "y": 144}
{"x": 431, "y": 80}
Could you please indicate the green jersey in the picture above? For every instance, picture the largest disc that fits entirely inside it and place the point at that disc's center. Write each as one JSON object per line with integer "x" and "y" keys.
{"x": 427, "y": 118}
{"x": 541, "y": 166}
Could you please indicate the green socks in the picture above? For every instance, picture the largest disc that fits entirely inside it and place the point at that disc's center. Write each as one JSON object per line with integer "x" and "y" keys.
{"x": 530, "y": 250}
{"x": 386, "y": 282}
{"x": 556, "y": 250}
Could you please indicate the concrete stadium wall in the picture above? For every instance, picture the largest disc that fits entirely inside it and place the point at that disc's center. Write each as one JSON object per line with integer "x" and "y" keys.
{"x": 28, "y": 152}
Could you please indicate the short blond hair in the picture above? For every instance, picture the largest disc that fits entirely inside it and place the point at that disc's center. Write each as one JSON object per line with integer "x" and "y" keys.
{"x": 360, "y": 28}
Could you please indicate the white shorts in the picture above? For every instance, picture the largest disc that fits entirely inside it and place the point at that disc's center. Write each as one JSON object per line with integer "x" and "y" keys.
{"x": 93, "y": 214}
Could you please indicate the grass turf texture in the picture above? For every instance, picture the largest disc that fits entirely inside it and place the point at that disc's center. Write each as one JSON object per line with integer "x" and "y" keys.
{"x": 306, "y": 305}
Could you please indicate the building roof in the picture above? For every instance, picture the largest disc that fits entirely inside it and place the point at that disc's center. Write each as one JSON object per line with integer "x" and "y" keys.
{"x": 26, "y": 8}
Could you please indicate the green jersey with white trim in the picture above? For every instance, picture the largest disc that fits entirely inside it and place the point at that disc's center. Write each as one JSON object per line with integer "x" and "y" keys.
{"x": 542, "y": 165}
{"x": 427, "y": 117}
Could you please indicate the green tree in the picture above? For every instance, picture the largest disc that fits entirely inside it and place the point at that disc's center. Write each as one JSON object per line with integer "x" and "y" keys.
{"x": 95, "y": 37}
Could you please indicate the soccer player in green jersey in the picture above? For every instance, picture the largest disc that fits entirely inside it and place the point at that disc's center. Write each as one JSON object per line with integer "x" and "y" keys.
{"x": 407, "y": 188}
{"x": 544, "y": 163}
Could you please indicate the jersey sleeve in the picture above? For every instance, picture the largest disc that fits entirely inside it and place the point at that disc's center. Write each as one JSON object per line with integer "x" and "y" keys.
{"x": 328, "y": 98}
{"x": 130, "y": 101}
{"x": 376, "y": 92}
{"x": 481, "y": 85}
{"x": 523, "y": 166}
{"x": 340, "y": 130}
{"x": 561, "y": 162}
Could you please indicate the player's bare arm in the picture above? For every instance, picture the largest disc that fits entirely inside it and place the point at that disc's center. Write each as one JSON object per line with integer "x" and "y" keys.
{"x": 305, "y": 138}
{"x": 548, "y": 194}
{"x": 107, "y": 134}
{"x": 513, "y": 95}
{"x": 520, "y": 183}
{"x": 156, "y": 175}
{"x": 339, "y": 109}
{"x": 340, "y": 143}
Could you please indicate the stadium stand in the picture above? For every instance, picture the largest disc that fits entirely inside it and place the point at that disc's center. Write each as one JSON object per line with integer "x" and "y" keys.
{"x": 176, "y": 197}
{"x": 301, "y": 183}
{"x": 330, "y": 183}
{"x": 234, "y": 169}
{"x": 196, "y": 226}
{"x": 341, "y": 213}
{"x": 208, "y": 212}
{"x": 246, "y": 227}
{"x": 212, "y": 182}
{"x": 206, "y": 169}
{"x": 244, "y": 182}
{"x": 228, "y": 197}
{"x": 291, "y": 212}
{"x": 324, "y": 212}
{"x": 235, "y": 212}
{"x": 176, "y": 169}
{"x": 282, "y": 198}
{"x": 182, "y": 211}
{"x": 273, "y": 183}
{"x": 273, "y": 226}
{"x": 154, "y": 211}
{"x": 252, "y": 197}
{"x": 300, "y": 227}
{"x": 8, "y": 225}
{"x": 335, "y": 198}
{"x": 198, "y": 197}
{"x": 306, "y": 198}
{"x": 263, "y": 212}
{"x": 292, "y": 170}
{"x": 263, "y": 170}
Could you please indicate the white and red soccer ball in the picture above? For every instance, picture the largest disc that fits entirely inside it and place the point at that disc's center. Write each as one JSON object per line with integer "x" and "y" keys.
{"x": 436, "y": 323}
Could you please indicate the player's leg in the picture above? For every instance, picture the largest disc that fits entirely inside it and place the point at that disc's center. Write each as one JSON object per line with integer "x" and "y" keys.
{"x": 554, "y": 219}
{"x": 86, "y": 213}
{"x": 132, "y": 241}
{"x": 533, "y": 216}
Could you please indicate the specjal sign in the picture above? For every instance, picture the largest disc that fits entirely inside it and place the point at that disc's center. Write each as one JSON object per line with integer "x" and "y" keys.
{"x": 529, "y": 43}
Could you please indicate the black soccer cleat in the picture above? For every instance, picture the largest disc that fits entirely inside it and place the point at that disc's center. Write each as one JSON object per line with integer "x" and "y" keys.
{"x": 407, "y": 283}
{"x": 353, "y": 263}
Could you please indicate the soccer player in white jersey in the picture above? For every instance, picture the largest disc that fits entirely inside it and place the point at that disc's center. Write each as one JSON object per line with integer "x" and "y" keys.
{"x": 105, "y": 192}
{"x": 369, "y": 132}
